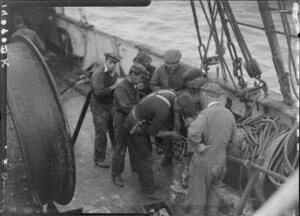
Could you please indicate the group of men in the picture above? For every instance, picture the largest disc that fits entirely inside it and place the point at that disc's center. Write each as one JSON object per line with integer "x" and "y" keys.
{"x": 151, "y": 104}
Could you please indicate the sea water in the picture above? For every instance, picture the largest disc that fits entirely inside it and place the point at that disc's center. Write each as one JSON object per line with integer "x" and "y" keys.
{"x": 170, "y": 24}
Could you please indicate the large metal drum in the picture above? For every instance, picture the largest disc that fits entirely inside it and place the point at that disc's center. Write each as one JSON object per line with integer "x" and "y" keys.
{"x": 40, "y": 124}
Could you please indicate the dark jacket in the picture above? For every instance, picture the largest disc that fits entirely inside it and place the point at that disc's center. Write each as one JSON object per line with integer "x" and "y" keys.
{"x": 146, "y": 81}
{"x": 101, "y": 81}
{"x": 161, "y": 79}
{"x": 155, "y": 111}
{"x": 125, "y": 97}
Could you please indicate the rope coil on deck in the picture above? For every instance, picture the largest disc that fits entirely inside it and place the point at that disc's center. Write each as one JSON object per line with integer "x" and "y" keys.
{"x": 281, "y": 161}
{"x": 260, "y": 132}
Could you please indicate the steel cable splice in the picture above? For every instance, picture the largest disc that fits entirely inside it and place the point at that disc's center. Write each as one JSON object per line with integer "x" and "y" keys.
{"x": 236, "y": 61}
{"x": 251, "y": 65}
{"x": 220, "y": 50}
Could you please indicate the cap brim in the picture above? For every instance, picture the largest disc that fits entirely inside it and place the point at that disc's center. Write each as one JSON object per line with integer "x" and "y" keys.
{"x": 173, "y": 64}
{"x": 137, "y": 60}
{"x": 113, "y": 58}
{"x": 213, "y": 92}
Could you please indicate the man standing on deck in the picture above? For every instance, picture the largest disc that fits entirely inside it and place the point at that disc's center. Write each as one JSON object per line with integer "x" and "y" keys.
{"x": 144, "y": 59}
{"x": 145, "y": 121}
{"x": 169, "y": 76}
{"x": 23, "y": 30}
{"x": 208, "y": 138}
{"x": 103, "y": 83}
{"x": 126, "y": 95}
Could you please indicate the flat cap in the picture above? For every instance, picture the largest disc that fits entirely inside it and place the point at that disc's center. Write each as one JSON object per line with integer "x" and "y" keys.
{"x": 192, "y": 73}
{"x": 112, "y": 56}
{"x": 186, "y": 102}
{"x": 197, "y": 83}
{"x": 213, "y": 88}
{"x": 172, "y": 56}
{"x": 143, "y": 58}
{"x": 137, "y": 69}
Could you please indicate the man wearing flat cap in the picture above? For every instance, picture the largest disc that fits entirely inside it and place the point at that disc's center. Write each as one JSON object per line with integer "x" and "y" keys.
{"x": 212, "y": 132}
{"x": 126, "y": 95}
{"x": 103, "y": 83}
{"x": 168, "y": 76}
{"x": 144, "y": 59}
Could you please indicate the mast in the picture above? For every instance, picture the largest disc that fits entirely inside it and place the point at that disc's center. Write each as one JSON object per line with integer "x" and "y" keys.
{"x": 275, "y": 49}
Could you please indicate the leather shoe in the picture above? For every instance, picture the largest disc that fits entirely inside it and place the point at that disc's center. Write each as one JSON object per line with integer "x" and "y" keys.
{"x": 118, "y": 181}
{"x": 102, "y": 164}
{"x": 166, "y": 161}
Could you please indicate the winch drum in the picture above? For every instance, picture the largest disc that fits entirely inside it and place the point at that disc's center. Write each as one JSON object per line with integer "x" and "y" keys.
{"x": 40, "y": 123}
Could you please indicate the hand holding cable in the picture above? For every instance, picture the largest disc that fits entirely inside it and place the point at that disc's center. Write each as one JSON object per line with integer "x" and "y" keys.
{"x": 202, "y": 147}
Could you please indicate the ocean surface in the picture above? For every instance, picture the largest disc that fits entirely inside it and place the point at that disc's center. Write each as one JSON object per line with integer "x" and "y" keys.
{"x": 169, "y": 24}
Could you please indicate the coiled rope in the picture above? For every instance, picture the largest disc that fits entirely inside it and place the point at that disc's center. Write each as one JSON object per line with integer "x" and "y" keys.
{"x": 281, "y": 161}
{"x": 259, "y": 133}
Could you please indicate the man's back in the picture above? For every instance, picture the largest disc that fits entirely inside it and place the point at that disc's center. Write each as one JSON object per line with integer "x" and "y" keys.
{"x": 218, "y": 131}
{"x": 155, "y": 109}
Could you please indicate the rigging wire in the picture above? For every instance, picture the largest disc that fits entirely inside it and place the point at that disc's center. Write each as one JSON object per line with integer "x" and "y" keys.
{"x": 210, "y": 33}
{"x": 287, "y": 31}
{"x": 213, "y": 33}
{"x": 197, "y": 30}
{"x": 220, "y": 55}
{"x": 251, "y": 65}
{"x": 236, "y": 61}
{"x": 291, "y": 78}
{"x": 240, "y": 39}
{"x": 220, "y": 51}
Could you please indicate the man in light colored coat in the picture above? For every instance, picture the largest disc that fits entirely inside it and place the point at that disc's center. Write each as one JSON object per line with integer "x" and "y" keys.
{"x": 208, "y": 139}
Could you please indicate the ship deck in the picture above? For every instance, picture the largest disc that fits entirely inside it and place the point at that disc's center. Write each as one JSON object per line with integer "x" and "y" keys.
{"x": 95, "y": 192}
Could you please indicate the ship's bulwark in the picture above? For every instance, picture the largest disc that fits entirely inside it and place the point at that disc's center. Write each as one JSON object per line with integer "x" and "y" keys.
{"x": 95, "y": 192}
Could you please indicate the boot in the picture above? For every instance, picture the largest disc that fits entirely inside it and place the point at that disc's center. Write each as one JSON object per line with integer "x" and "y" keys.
{"x": 102, "y": 164}
{"x": 118, "y": 181}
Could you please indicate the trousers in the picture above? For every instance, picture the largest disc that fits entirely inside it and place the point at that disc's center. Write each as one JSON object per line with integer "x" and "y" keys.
{"x": 205, "y": 182}
{"x": 118, "y": 160}
{"x": 141, "y": 154}
{"x": 103, "y": 122}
